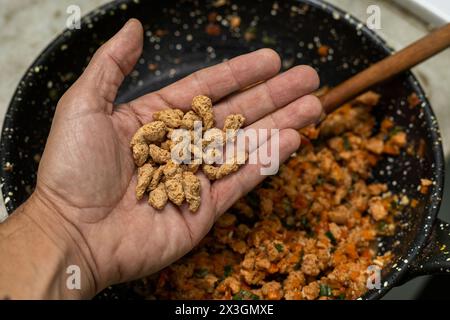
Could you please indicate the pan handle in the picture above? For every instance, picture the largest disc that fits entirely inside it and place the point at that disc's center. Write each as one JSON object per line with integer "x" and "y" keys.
{"x": 435, "y": 257}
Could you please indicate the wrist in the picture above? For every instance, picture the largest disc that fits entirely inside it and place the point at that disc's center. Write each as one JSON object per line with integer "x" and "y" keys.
{"x": 45, "y": 254}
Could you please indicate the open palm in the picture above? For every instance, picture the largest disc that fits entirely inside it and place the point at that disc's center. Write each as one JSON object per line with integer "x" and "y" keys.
{"x": 87, "y": 172}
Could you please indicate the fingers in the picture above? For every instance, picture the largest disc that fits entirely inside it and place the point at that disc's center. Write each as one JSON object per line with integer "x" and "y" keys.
{"x": 216, "y": 82}
{"x": 267, "y": 97}
{"x": 296, "y": 115}
{"x": 110, "y": 64}
{"x": 229, "y": 189}
{"x": 220, "y": 80}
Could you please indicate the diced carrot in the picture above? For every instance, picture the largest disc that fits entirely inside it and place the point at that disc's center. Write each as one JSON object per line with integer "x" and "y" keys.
{"x": 339, "y": 258}
{"x": 273, "y": 268}
{"x": 354, "y": 275}
{"x": 368, "y": 234}
{"x": 324, "y": 218}
{"x": 373, "y": 159}
{"x": 351, "y": 250}
{"x": 323, "y": 50}
{"x": 391, "y": 149}
{"x": 386, "y": 124}
{"x": 413, "y": 100}
{"x": 213, "y": 29}
{"x": 300, "y": 202}
{"x": 367, "y": 253}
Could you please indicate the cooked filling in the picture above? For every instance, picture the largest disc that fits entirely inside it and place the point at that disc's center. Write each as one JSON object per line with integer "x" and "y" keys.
{"x": 309, "y": 232}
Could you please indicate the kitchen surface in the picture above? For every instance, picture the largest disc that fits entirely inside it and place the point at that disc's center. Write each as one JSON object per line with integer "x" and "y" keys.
{"x": 28, "y": 26}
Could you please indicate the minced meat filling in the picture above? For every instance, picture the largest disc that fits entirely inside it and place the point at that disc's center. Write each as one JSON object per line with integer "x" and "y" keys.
{"x": 307, "y": 233}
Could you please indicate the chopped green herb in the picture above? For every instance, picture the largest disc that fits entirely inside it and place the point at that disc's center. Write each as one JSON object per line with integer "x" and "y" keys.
{"x": 287, "y": 206}
{"x": 268, "y": 41}
{"x": 341, "y": 296}
{"x": 298, "y": 265}
{"x": 201, "y": 273}
{"x": 305, "y": 223}
{"x": 245, "y": 295}
{"x": 251, "y": 30}
{"x": 289, "y": 222}
{"x": 331, "y": 237}
{"x": 255, "y": 297}
{"x": 279, "y": 247}
{"x": 250, "y": 34}
{"x": 253, "y": 200}
{"x": 306, "y": 226}
{"x": 227, "y": 271}
{"x": 325, "y": 290}
{"x": 381, "y": 225}
{"x": 53, "y": 94}
{"x": 347, "y": 145}
{"x": 320, "y": 180}
{"x": 394, "y": 204}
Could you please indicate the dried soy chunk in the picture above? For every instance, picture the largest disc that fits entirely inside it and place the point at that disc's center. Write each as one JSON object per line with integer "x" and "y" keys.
{"x": 192, "y": 189}
{"x": 158, "y": 197}
{"x": 213, "y": 136}
{"x": 167, "y": 145}
{"x": 140, "y": 153}
{"x": 210, "y": 171}
{"x": 189, "y": 120}
{"x": 151, "y": 132}
{"x": 153, "y": 143}
{"x": 232, "y": 124}
{"x": 171, "y": 117}
{"x": 158, "y": 154}
{"x": 192, "y": 167}
{"x": 202, "y": 106}
{"x": 174, "y": 189}
{"x": 215, "y": 173}
{"x": 173, "y": 182}
{"x": 171, "y": 169}
{"x": 156, "y": 178}
{"x": 145, "y": 174}
{"x": 226, "y": 169}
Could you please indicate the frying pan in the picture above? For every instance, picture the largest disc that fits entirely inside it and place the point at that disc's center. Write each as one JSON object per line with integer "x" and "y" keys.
{"x": 176, "y": 44}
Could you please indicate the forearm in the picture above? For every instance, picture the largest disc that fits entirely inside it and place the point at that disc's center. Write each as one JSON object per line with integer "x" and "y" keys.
{"x": 35, "y": 254}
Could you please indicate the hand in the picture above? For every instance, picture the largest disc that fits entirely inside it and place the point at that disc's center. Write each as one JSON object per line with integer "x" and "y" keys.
{"x": 86, "y": 179}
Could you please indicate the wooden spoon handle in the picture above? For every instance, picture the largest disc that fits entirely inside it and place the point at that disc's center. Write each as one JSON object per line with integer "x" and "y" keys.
{"x": 405, "y": 59}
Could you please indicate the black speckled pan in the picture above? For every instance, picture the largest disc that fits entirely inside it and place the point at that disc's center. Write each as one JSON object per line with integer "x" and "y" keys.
{"x": 176, "y": 44}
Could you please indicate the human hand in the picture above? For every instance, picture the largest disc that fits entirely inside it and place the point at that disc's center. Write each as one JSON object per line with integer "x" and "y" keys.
{"x": 86, "y": 180}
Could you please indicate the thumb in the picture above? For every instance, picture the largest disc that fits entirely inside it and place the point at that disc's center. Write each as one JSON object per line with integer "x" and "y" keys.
{"x": 110, "y": 64}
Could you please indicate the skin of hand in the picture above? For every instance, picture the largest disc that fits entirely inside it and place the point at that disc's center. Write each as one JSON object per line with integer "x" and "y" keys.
{"x": 84, "y": 209}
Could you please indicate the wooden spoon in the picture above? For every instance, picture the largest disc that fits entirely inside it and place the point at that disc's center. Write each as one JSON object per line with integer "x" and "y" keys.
{"x": 405, "y": 59}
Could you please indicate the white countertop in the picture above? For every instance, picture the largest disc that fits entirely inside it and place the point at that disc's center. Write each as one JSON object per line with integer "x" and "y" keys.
{"x": 436, "y": 12}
